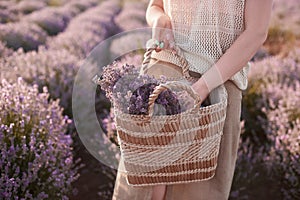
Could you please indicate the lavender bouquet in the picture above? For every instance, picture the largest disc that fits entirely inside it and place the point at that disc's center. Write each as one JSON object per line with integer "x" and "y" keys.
{"x": 130, "y": 91}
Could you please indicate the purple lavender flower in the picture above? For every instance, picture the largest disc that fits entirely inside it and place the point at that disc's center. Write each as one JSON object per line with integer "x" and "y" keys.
{"x": 110, "y": 76}
{"x": 130, "y": 92}
{"x": 36, "y": 154}
{"x": 138, "y": 104}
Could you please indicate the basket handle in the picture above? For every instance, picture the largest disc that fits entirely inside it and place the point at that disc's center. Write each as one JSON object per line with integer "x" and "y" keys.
{"x": 169, "y": 85}
{"x": 178, "y": 54}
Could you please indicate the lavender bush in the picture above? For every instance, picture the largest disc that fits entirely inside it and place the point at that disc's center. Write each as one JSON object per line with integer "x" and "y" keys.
{"x": 69, "y": 11}
{"x": 54, "y": 69}
{"x": 6, "y": 16}
{"x": 36, "y": 155}
{"x": 50, "y": 19}
{"x": 280, "y": 103}
{"x": 21, "y": 34}
{"x": 132, "y": 16}
{"x": 4, "y": 51}
{"x": 52, "y": 22}
{"x": 6, "y": 4}
{"x": 82, "y": 5}
{"x": 252, "y": 177}
{"x": 28, "y": 6}
{"x": 271, "y": 113}
{"x": 86, "y": 30}
{"x": 31, "y": 31}
{"x": 55, "y": 19}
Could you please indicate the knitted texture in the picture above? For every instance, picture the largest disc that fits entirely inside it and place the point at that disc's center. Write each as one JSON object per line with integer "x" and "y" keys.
{"x": 204, "y": 30}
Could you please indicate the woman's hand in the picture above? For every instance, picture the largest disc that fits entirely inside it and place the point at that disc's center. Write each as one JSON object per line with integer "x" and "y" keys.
{"x": 160, "y": 22}
{"x": 162, "y": 32}
{"x": 201, "y": 89}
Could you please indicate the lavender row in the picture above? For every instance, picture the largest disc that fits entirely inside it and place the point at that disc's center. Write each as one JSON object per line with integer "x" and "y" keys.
{"x": 88, "y": 29}
{"x": 56, "y": 66}
{"x": 26, "y": 35}
{"x": 33, "y": 30}
{"x": 12, "y": 11}
{"x": 55, "y": 19}
{"x": 131, "y": 18}
{"x": 36, "y": 160}
{"x": 54, "y": 69}
{"x": 18, "y": 9}
{"x": 132, "y": 15}
{"x": 6, "y": 16}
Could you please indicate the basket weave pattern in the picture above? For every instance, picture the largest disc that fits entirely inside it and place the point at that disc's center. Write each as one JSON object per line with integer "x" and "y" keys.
{"x": 171, "y": 149}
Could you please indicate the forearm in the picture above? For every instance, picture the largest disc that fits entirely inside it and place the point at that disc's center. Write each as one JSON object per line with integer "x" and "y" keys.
{"x": 234, "y": 59}
{"x": 154, "y": 11}
{"x": 237, "y": 56}
{"x": 257, "y": 17}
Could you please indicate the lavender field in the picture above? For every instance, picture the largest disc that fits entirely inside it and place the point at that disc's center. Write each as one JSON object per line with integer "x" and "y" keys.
{"x": 44, "y": 43}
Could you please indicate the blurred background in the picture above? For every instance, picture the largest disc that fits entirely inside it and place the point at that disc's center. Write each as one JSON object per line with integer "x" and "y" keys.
{"x": 46, "y": 41}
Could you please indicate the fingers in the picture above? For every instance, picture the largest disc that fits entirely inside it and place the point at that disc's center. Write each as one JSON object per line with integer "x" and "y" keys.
{"x": 162, "y": 33}
{"x": 164, "y": 38}
{"x": 170, "y": 40}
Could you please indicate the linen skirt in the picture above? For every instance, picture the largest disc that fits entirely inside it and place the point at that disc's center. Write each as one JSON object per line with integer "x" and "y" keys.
{"x": 217, "y": 188}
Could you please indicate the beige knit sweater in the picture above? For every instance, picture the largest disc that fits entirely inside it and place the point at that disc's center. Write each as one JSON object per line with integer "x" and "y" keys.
{"x": 204, "y": 30}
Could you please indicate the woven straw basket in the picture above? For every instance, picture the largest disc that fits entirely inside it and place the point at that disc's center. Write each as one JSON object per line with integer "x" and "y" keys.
{"x": 171, "y": 149}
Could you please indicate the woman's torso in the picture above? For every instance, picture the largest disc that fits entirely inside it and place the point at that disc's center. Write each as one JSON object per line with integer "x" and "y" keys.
{"x": 204, "y": 30}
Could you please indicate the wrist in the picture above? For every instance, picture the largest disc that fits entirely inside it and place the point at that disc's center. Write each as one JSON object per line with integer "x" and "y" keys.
{"x": 212, "y": 78}
{"x": 200, "y": 88}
